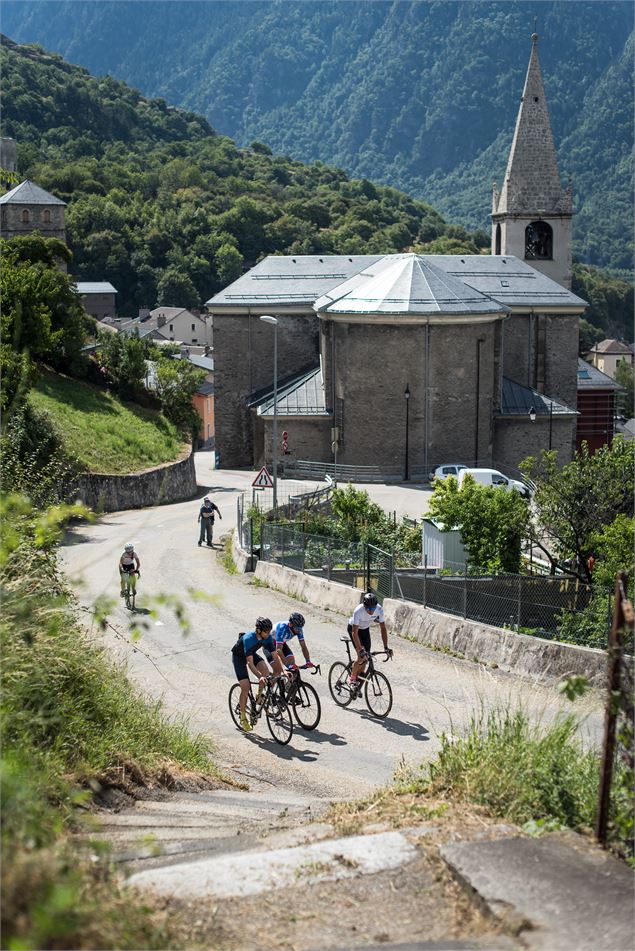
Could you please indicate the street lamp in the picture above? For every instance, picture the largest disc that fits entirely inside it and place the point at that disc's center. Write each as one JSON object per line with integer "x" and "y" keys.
{"x": 407, "y": 395}
{"x": 274, "y": 320}
{"x": 550, "y": 422}
{"x": 532, "y": 414}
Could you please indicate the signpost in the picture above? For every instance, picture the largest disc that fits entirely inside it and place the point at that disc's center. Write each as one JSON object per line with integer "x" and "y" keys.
{"x": 263, "y": 480}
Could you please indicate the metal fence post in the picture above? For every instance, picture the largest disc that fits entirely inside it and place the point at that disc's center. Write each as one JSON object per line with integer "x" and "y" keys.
{"x": 282, "y": 545}
{"x": 367, "y": 564}
{"x": 425, "y": 578}
{"x": 303, "y": 550}
{"x": 465, "y": 591}
{"x": 392, "y": 574}
{"x": 520, "y": 600}
{"x": 328, "y": 562}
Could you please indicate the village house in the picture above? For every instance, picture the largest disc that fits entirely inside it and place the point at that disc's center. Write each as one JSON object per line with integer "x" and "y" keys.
{"x": 464, "y": 358}
{"x": 596, "y": 407}
{"x": 606, "y": 355}
{"x": 98, "y": 299}
{"x": 180, "y": 324}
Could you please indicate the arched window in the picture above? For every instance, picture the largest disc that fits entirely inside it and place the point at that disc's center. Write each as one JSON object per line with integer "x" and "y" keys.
{"x": 25, "y": 217}
{"x": 538, "y": 241}
{"x": 46, "y": 216}
{"x": 497, "y": 244}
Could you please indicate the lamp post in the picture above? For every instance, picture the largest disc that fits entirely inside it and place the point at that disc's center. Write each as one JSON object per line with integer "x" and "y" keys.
{"x": 274, "y": 320}
{"x": 407, "y": 396}
{"x": 550, "y": 422}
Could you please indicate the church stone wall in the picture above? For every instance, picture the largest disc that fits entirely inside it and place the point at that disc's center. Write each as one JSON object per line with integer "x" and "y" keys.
{"x": 515, "y": 439}
{"x": 561, "y": 363}
{"x": 309, "y": 438}
{"x": 243, "y": 363}
{"x": 373, "y": 363}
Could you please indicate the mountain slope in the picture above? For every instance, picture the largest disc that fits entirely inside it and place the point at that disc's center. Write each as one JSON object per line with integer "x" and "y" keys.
{"x": 422, "y": 96}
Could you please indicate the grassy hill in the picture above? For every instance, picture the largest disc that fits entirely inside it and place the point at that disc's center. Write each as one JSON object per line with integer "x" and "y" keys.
{"x": 105, "y": 434}
{"x": 419, "y": 95}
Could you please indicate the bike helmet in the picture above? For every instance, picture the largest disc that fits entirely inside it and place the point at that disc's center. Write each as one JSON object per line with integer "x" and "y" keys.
{"x": 128, "y": 546}
{"x": 263, "y": 624}
{"x": 370, "y": 600}
{"x": 296, "y": 619}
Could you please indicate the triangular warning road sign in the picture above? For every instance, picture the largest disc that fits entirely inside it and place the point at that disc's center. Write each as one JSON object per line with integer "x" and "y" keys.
{"x": 263, "y": 480}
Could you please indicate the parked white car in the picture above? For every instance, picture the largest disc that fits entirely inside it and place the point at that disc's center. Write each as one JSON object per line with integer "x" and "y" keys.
{"x": 492, "y": 477}
{"x": 442, "y": 472}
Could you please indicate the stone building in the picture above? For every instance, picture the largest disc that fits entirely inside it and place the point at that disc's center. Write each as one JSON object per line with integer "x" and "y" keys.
{"x": 98, "y": 299}
{"x": 477, "y": 353}
{"x": 27, "y": 208}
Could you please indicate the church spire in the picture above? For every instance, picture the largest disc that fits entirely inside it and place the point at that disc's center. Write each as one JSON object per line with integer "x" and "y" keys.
{"x": 532, "y": 183}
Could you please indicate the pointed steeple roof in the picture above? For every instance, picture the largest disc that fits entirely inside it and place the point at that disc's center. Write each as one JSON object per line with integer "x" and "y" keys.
{"x": 28, "y": 193}
{"x": 532, "y": 183}
{"x": 409, "y": 285}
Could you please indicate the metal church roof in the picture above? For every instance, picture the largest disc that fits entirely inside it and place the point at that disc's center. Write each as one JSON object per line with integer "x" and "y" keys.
{"x": 303, "y": 395}
{"x": 95, "y": 287}
{"x": 28, "y": 193}
{"x": 519, "y": 400}
{"x": 408, "y": 284}
{"x": 589, "y": 377}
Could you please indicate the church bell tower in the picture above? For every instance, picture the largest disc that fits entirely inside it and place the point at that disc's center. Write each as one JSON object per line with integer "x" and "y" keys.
{"x": 532, "y": 214}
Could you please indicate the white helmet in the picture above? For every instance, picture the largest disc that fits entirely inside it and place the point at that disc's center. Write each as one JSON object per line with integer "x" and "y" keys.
{"x": 128, "y": 546}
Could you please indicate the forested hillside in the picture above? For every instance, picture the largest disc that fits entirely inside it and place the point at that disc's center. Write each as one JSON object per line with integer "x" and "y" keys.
{"x": 168, "y": 210}
{"x": 422, "y": 96}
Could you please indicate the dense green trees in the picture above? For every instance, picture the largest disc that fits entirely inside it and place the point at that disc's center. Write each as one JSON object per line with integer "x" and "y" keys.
{"x": 419, "y": 95}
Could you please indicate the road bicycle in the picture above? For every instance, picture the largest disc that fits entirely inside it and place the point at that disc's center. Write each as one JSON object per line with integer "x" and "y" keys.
{"x": 376, "y": 687}
{"x": 130, "y": 593}
{"x": 303, "y": 699}
{"x": 269, "y": 700}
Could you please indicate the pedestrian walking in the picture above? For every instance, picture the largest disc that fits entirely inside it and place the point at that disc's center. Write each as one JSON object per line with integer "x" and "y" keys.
{"x": 206, "y": 516}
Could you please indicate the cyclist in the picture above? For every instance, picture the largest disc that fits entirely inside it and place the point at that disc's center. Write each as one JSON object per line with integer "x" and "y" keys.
{"x": 129, "y": 566}
{"x": 206, "y": 516}
{"x": 365, "y": 614}
{"x": 245, "y": 657}
{"x": 284, "y": 632}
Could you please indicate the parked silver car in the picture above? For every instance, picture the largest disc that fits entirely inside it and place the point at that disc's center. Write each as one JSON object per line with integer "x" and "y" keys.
{"x": 442, "y": 472}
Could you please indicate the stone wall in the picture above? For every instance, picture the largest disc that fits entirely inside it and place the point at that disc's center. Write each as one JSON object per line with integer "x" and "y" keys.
{"x": 243, "y": 363}
{"x": 515, "y": 439}
{"x": 174, "y": 482}
{"x": 309, "y": 438}
{"x": 371, "y": 407}
{"x": 11, "y": 223}
{"x": 549, "y": 364}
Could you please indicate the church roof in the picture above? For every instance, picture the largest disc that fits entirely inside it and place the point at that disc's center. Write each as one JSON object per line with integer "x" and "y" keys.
{"x": 407, "y": 284}
{"x": 589, "y": 377}
{"x": 611, "y": 346}
{"x": 532, "y": 182}
{"x": 281, "y": 281}
{"x": 520, "y": 400}
{"x": 28, "y": 193}
{"x": 300, "y": 395}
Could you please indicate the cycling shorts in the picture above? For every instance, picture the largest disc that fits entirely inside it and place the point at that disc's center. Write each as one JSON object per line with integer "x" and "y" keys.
{"x": 127, "y": 569}
{"x": 240, "y": 664}
{"x": 364, "y": 636}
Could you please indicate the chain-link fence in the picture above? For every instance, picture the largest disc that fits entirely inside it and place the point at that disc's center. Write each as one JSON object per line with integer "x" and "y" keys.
{"x": 319, "y": 555}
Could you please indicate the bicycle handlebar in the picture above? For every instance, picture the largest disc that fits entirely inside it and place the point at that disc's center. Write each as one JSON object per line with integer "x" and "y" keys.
{"x": 388, "y": 654}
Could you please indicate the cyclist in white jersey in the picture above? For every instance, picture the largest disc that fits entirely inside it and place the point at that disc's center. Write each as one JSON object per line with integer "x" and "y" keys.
{"x": 367, "y": 613}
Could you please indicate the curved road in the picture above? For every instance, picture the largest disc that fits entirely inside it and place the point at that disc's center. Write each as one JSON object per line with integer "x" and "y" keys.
{"x": 350, "y": 753}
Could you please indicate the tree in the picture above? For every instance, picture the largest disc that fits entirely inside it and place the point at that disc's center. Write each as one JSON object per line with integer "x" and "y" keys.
{"x": 176, "y": 383}
{"x": 571, "y": 504}
{"x": 492, "y": 521}
{"x": 176, "y": 289}
{"x": 123, "y": 361}
{"x": 626, "y": 399}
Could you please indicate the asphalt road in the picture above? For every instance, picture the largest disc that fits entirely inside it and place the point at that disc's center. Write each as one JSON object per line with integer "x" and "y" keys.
{"x": 351, "y": 752}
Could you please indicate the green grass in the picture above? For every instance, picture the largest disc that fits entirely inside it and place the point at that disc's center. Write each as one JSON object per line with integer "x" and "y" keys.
{"x": 227, "y": 557}
{"x": 105, "y": 434}
{"x": 516, "y": 769}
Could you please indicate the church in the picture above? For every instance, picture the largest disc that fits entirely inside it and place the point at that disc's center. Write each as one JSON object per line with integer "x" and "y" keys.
{"x": 461, "y": 358}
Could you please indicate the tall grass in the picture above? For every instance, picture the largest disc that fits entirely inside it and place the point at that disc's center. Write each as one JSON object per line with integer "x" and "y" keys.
{"x": 105, "y": 434}
{"x": 69, "y": 716}
{"x": 518, "y": 769}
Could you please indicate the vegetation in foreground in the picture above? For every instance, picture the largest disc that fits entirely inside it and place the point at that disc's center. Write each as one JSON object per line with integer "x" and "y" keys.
{"x": 70, "y": 721}
{"x": 102, "y": 432}
{"x": 536, "y": 776}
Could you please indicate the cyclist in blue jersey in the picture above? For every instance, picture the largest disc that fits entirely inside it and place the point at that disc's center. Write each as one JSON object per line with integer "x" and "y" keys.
{"x": 245, "y": 657}
{"x": 283, "y": 632}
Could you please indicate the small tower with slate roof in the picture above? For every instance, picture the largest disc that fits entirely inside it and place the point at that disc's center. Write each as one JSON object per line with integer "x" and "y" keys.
{"x": 27, "y": 208}
{"x": 532, "y": 214}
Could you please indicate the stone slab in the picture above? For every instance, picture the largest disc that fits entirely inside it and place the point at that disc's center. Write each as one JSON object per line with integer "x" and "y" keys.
{"x": 251, "y": 873}
{"x": 575, "y": 899}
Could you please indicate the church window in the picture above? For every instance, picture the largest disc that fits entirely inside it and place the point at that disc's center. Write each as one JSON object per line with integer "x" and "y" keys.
{"x": 538, "y": 241}
{"x": 25, "y": 217}
{"x": 498, "y": 240}
{"x": 46, "y": 216}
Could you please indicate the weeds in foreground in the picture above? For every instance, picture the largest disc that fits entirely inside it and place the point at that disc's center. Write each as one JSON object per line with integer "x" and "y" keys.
{"x": 227, "y": 557}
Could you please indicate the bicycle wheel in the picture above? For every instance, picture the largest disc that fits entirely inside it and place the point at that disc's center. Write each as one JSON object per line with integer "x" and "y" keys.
{"x": 127, "y": 597}
{"x": 378, "y": 694}
{"x": 279, "y": 720}
{"x": 338, "y": 684}
{"x": 306, "y": 706}
{"x": 234, "y": 705}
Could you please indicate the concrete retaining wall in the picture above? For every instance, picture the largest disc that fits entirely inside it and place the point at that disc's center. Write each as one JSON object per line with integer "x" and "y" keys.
{"x": 325, "y": 594}
{"x": 174, "y": 482}
{"x": 518, "y": 654}
{"x": 242, "y": 559}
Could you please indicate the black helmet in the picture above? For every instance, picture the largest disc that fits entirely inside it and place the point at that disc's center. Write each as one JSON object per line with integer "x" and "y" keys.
{"x": 263, "y": 624}
{"x": 370, "y": 600}
{"x": 296, "y": 619}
